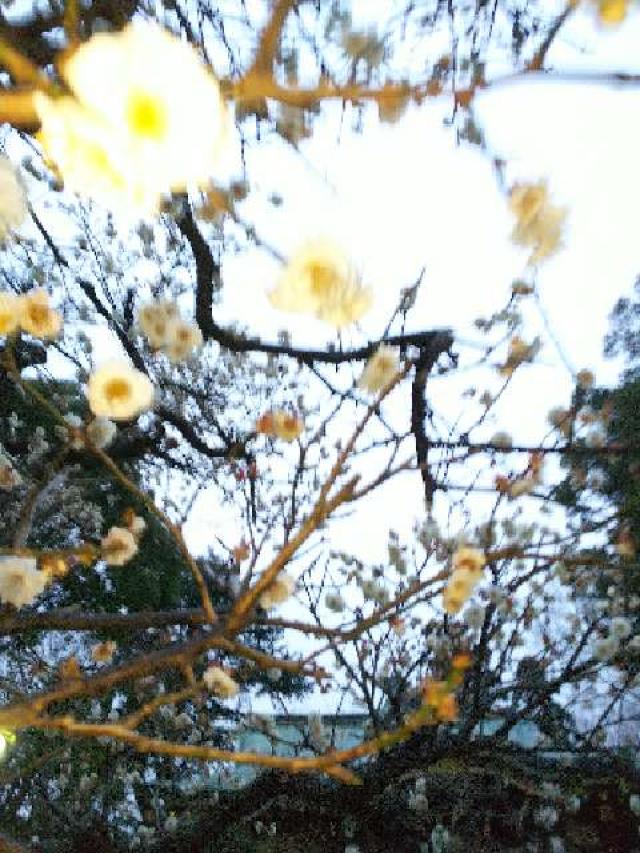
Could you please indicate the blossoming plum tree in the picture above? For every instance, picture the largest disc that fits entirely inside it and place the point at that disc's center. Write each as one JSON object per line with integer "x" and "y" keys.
{"x": 122, "y": 127}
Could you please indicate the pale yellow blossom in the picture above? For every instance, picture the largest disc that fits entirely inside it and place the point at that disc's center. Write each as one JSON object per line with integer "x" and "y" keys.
{"x": 539, "y": 224}
{"x": 219, "y": 682}
{"x": 37, "y": 317}
{"x": 561, "y": 419}
{"x": 91, "y": 157}
{"x": 382, "y": 367}
{"x": 320, "y": 280}
{"x": 459, "y": 588}
{"x": 524, "y": 486}
{"x": 585, "y": 378}
{"x": 154, "y": 325}
{"x": 154, "y": 319}
{"x": 182, "y": 340}
{"x": 10, "y": 310}
{"x": 116, "y": 390}
{"x": 468, "y": 564}
{"x": 20, "y": 580}
{"x": 118, "y": 546}
{"x": 147, "y": 118}
{"x": 527, "y": 201}
{"x": 470, "y": 559}
{"x": 280, "y": 590}
{"x": 519, "y": 353}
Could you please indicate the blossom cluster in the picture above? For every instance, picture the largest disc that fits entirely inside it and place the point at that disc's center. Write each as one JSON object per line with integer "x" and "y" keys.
{"x": 283, "y": 425}
{"x": 520, "y": 352}
{"x": 30, "y": 313}
{"x": 219, "y": 682}
{"x": 165, "y": 329}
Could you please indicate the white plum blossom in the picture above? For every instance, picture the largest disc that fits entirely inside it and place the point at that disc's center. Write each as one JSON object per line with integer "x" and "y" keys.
{"x": 321, "y": 280}
{"x": 116, "y": 390}
{"x": 121, "y": 139}
{"x": 381, "y": 368}
{"x": 279, "y": 590}
{"x": 101, "y": 432}
{"x": 118, "y": 546}
{"x": 20, "y": 580}
{"x": 219, "y": 682}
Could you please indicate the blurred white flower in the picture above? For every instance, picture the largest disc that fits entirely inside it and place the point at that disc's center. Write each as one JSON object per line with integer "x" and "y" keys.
{"x": 539, "y": 224}
{"x": 154, "y": 319}
{"x": 20, "y": 580}
{"x": 219, "y": 682}
{"x": 116, "y": 390}
{"x": 155, "y": 123}
{"x": 37, "y": 317}
{"x": 118, "y": 546}
{"x": 381, "y": 368}
{"x": 182, "y": 340}
{"x": 605, "y": 648}
{"x": 320, "y": 280}
{"x": 620, "y": 627}
{"x": 334, "y": 602}
{"x": 474, "y": 616}
{"x": 279, "y": 590}
{"x": 171, "y": 823}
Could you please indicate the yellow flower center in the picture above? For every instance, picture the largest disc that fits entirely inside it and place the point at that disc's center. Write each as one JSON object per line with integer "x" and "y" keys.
{"x": 147, "y": 116}
{"x": 38, "y": 314}
{"x": 322, "y": 279}
{"x": 117, "y": 390}
{"x": 613, "y": 11}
